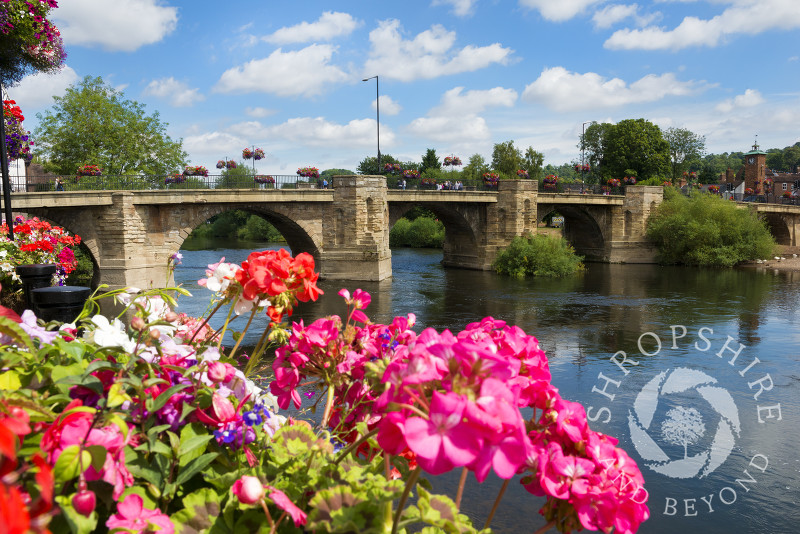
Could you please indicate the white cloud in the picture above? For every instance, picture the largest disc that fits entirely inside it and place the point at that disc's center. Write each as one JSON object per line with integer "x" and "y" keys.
{"x": 178, "y": 93}
{"x": 319, "y": 132}
{"x": 451, "y": 129}
{"x": 614, "y": 13}
{"x": 428, "y": 55}
{"x": 388, "y": 106}
{"x": 562, "y": 90}
{"x": 259, "y": 112}
{"x": 125, "y": 26}
{"x": 37, "y": 90}
{"x": 329, "y": 25}
{"x": 750, "y": 98}
{"x": 304, "y": 72}
{"x": 558, "y": 10}
{"x": 213, "y": 144}
{"x": 747, "y": 17}
{"x": 455, "y": 101}
{"x": 461, "y": 8}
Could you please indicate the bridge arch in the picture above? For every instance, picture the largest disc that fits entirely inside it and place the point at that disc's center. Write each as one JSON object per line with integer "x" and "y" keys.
{"x": 583, "y": 228}
{"x": 779, "y": 228}
{"x": 461, "y": 237}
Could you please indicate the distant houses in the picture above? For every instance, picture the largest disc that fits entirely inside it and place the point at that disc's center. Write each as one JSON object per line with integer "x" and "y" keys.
{"x": 754, "y": 178}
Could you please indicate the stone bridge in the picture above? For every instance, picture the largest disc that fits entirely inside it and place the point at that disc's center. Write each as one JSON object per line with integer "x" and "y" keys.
{"x": 132, "y": 234}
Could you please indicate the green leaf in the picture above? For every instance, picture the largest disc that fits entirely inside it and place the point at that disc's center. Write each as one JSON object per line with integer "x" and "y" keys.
{"x": 60, "y": 372}
{"x": 18, "y": 336}
{"x": 99, "y": 365}
{"x": 201, "y": 510}
{"x": 77, "y": 523}
{"x": 161, "y": 400}
{"x": 74, "y": 349}
{"x": 192, "y": 447}
{"x": 194, "y": 467}
{"x": 69, "y": 463}
{"x": 139, "y": 468}
{"x": 99, "y": 454}
{"x": 9, "y": 381}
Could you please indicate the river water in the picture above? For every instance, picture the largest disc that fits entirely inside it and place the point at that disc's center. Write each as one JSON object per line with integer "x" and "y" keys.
{"x": 715, "y": 413}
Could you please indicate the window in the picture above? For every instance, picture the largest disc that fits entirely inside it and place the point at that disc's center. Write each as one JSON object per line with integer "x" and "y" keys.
{"x": 785, "y": 186}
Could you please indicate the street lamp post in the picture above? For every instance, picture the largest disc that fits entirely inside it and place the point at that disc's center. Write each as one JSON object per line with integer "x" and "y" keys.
{"x": 378, "y": 110}
{"x": 583, "y": 150}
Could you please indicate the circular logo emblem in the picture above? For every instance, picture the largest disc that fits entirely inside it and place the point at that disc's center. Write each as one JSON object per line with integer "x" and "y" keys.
{"x": 661, "y": 417}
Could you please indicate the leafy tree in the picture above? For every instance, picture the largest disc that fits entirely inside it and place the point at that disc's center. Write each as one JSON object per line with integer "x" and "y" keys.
{"x": 683, "y": 427}
{"x": 538, "y": 255}
{"x": 422, "y": 232}
{"x": 474, "y": 168}
{"x": 706, "y": 230}
{"x": 430, "y": 161}
{"x": 635, "y": 144}
{"x": 506, "y": 159}
{"x": 236, "y": 178}
{"x": 785, "y": 160}
{"x": 593, "y": 145}
{"x": 369, "y": 165}
{"x": 712, "y": 165}
{"x": 533, "y": 163}
{"x": 685, "y": 147}
{"x": 330, "y": 173}
{"x": 94, "y": 124}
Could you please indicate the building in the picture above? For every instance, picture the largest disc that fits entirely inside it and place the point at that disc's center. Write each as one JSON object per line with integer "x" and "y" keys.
{"x": 754, "y": 178}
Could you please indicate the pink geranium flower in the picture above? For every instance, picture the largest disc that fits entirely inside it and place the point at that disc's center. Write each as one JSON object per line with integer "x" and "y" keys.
{"x": 284, "y": 503}
{"x": 132, "y": 516}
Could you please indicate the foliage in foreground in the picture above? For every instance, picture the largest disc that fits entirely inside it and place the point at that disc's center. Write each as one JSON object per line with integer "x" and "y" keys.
{"x": 422, "y": 232}
{"x": 151, "y": 428}
{"x": 538, "y": 255}
{"x": 706, "y": 230}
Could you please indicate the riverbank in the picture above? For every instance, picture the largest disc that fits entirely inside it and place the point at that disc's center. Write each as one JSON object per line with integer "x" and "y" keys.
{"x": 789, "y": 260}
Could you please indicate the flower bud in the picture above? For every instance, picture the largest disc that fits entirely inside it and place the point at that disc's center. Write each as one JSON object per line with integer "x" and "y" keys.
{"x": 84, "y": 502}
{"x": 155, "y": 334}
{"x": 248, "y": 489}
{"x": 137, "y": 323}
{"x": 216, "y": 372}
{"x": 171, "y": 316}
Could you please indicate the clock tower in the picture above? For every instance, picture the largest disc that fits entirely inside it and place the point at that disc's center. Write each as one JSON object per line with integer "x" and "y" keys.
{"x": 755, "y": 169}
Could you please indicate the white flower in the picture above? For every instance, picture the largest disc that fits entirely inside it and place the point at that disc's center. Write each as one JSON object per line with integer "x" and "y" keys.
{"x": 219, "y": 276}
{"x": 110, "y": 334}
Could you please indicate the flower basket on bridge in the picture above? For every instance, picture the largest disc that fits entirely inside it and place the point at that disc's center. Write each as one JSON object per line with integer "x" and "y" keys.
{"x": 230, "y": 164}
{"x": 522, "y": 173}
{"x": 89, "y": 170}
{"x": 490, "y": 179}
{"x": 550, "y": 181}
{"x": 629, "y": 180}
{"x": 749, "y": 191}
{"x": 713, "y": 189}
{"x": 392, "y": 168}
{"x": 427, "y": 183}
{"x": 452, "y": 161}
{"x": 256, "y": 154}
{"x": 308, "y": 172}
{"x": 175, "y": 179}
{"x": 582, "y": 168}
{"x": 221, "y": 164}
{"x": 269, "y": 180}
{"x": 411, "y": 174}
{"x": 195, "y": 171}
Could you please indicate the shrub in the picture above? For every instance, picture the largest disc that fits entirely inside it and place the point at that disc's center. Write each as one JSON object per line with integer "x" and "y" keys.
{"x": 706, "y": 230}
{"x": 538, "y": 255}
{"x": 422, "y": 232}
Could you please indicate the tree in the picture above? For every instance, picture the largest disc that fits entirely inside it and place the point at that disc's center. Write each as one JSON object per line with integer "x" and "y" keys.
{"x": 506, "y": 159}
{"x": 593, "y": 145}
{"x": 330, "y": 173}
{"x": 369, "y": 165}
{"x": 474, "y": 168}
{"x": 238, "y": 177}
{"x": 94, "y": 124}
{"x": 685, "y": 147}
{"x": 635, "y": 144}
{"x": 430, "y": 161}
{"x": 683, "y": 427}
{"x": 533, "y": 163}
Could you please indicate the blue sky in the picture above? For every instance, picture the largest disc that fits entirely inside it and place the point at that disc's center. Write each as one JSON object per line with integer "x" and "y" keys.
{"x": 455, "y": 75}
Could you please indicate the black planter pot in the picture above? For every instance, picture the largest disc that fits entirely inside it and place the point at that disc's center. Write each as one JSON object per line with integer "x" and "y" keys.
{"x": 59, "y": 303}
{"x": 35, "y": 276}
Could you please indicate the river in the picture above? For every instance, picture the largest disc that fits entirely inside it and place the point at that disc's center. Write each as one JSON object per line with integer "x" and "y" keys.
{"x": 736, "y": 369}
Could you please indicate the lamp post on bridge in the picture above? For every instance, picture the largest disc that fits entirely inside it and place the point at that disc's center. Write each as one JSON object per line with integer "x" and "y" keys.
{"x": 378, "y": 111}
{"x": 583, "y": 151}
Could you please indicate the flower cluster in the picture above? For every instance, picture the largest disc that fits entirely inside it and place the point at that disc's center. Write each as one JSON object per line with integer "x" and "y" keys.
{"x": 491, "y": 178}
{"x": 89, "y": 170}
{"x": 748, "y": 191}
{"x": 392, "y": 168}
{"x": 256, "y": 154}
{"x": 614, "y": 182}
{"x": 667, "y": 183}
{"x": 582, "y": 168}
{"x": 410, "y": 174}
{"x": 175, "y": 179}
{"x": 550, "y": 181}
{"x": 452, "y": 161}
{"x": 36, "y": 241}
{"x": 768, "y": 181}
{"x": 428, "y": 181}
{"x": 30, "y": 37}
{"x": 690, "y": 176}
{"x": 786, "y": 194}
{"x": 18, "y": 144}
{"x": 260, "y": 179}
{"x": 221, "y": 164}
{"x": 522, "y": 173}
{"x": 629, "y": 180}
{"x": 199, "y": 170}
{"x": 308, "y": 172}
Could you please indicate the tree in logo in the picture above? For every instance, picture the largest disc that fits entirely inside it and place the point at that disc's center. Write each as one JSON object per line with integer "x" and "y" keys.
{"x": 683, "y": 427}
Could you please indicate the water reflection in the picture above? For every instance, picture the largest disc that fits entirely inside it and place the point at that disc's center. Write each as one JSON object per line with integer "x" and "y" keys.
{"x": 581, "y": 322}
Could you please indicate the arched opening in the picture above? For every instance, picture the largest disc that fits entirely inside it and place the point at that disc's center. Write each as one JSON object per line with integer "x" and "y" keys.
{"x": 580, "y": 230}
{"x": 458, "y": 242}
{"x": 778, "y": 228}
{"x": 626, "y": 228}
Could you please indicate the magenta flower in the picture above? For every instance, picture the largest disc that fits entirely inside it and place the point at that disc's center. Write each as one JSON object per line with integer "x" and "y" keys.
{"x": 248, "y": 489}
{"x": 132, "y": 516}
{"x": 284, "y": 503}
{"x": 443, "y": 441}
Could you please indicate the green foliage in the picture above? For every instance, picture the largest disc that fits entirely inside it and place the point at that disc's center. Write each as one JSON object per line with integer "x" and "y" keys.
{"x": 533, "y": 163}
{"x": 685, "y": 148}
{"x": 630, "y": 144}
{"x": 784, "y": 160}
{"x": 430, "y": 161}
{"x": 237, "y": 178}
{"x": 712, "y": 165}
{"x": 238, "y": 224}
{"x": 707, "y": 230}
{"x": 506, "y": 159}
{"x": 538, "y": 255}
{"x": 94, "y": 124}
{"x": 330, "y": 173}
{"x": 369, "y": 165}
{"x": 422, "y": 232}
{"x": 475, "y": 168}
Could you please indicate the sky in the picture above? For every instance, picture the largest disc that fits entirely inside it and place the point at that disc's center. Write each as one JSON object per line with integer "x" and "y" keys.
{"x": 457, "y": 76}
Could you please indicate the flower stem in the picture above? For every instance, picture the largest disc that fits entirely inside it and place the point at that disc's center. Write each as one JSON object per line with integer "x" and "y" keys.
{"x": 461, "y": 483}
{"x": 497, "y": 503}
{"x": 241, "y": 337}
{"x": 356, "y": 444}
{"x": 406, "y": 492}
{"x": 205, "y": 322}
{"x": 328, "y": 407}
{"x": 545, "y": 528}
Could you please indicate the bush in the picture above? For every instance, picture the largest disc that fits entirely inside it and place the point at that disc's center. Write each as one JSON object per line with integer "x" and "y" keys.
{"x": 422, "y": 232}
{"x": 707, "y": 230}
{"x": 538, "y": 255}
